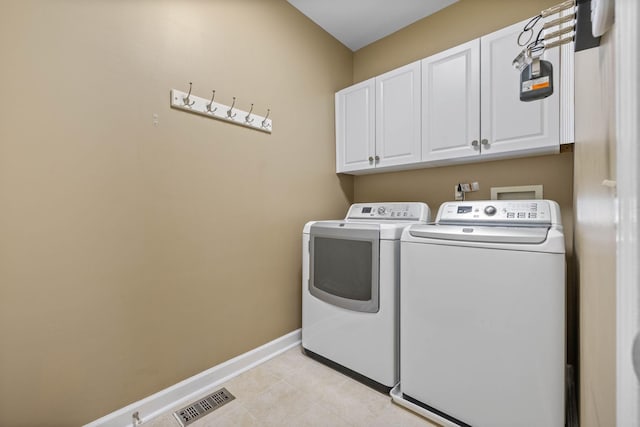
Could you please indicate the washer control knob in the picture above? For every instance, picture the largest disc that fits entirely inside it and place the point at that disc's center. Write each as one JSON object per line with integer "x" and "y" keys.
{"x": 381, "y": 210}
{"x": 490, "y": 210}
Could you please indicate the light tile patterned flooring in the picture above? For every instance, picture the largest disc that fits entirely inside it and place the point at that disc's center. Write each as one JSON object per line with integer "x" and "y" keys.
{"x": 294, "y": 390}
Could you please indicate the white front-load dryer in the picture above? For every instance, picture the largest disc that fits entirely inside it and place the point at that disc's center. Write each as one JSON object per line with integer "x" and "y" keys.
{"x": 483, "y": 315}
{"x": 350, "y": 298}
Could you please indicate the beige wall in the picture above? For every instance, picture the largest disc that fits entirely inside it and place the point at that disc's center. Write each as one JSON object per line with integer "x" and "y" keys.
{"x": 595, "y": 233}
{"x": 435, "y": 186}
{"x": 134, "y": 256}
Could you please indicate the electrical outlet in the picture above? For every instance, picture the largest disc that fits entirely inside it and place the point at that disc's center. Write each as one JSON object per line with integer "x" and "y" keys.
{"x": 458, "y": 195}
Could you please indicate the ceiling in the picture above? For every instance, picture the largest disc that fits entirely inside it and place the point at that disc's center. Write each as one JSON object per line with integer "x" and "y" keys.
{"x": 357, "y": 23}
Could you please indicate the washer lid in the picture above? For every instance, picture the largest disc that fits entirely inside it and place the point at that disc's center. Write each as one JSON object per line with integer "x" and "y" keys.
{"x": 471, "y": 233}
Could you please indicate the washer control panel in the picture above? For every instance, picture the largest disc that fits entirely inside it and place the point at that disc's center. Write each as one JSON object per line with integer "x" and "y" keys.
{"x": 413, "y": 211}
{"x": 533, "y": 212}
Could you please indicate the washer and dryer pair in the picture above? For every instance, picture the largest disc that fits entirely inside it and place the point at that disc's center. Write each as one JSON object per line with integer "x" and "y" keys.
{"x": 477, "y": 298}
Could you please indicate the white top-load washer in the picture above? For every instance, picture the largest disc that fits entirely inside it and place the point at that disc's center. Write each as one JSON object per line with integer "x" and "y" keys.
{"x": 350, "y": 280}
{"x": 483, "y": 315}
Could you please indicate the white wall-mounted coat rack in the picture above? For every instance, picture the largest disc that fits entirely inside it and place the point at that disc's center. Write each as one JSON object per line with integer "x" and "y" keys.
{"x": 209, "y": 108}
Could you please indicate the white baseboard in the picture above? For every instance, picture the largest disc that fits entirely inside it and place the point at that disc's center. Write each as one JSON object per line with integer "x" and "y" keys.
{"x": 197, "y": 385}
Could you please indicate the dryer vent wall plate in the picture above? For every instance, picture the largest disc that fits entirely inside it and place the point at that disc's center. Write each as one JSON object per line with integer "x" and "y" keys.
{"x": 522, "y": 192}
{"x": 601, "y": 16}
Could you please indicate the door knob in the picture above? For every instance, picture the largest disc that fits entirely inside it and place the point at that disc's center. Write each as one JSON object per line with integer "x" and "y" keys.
{"x": 370, "y": 159}
{"x": 474, "y": 143}
{"x": 484, "y": 142}
{"x": 377, "y": 158}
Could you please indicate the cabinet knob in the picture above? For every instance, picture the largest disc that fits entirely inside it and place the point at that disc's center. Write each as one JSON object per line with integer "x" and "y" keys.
{"x": 370, "y": 159}
{"x": 474, "y": 143}
{"x": 377, "y": 158}
{"x": 484, "y": 142}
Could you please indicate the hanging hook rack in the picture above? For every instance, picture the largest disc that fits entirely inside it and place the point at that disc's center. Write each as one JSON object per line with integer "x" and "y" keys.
{"x": 187, "y": 98}
{"x": 210, "y": 104}
{"x": 185, "y": 101}
{"x": 248, "y": 118}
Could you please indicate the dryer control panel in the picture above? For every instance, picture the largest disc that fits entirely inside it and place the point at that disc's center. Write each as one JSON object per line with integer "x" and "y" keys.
{"x": 500, "y": 212}
{"x": 411, "y": 211}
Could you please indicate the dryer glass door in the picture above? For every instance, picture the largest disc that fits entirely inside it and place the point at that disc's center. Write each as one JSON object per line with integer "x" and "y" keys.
{"x": 344, "y": 265}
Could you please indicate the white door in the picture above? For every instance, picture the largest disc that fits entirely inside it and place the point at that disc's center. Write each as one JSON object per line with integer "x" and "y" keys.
{"x": 398, "y": 116}
{"x": 355, "y": 127}
{"x": 451, "y": 103}
{"x": 627, "y": 38}
{"x": 508, "y": 124}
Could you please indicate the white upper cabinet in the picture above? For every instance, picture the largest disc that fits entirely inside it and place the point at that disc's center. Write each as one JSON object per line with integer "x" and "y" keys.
{"x": 355, "y": 127}
{"x": 508, "y": 125}
{"x": 398, "y": 116}
{"x": 460, "y": 105}
{"x": 471, "y": 103}
{"x": 378, "y": 121}
{"x": 451, "y": 103}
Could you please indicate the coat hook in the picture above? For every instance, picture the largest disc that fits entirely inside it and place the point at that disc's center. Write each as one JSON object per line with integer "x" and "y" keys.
{"x": 264, "y": 122}
{"x": 230, "y": 113}
{"x": 186, "y": 100}
{"x": 248, "y": 118}
{"x": 210, "y": 104}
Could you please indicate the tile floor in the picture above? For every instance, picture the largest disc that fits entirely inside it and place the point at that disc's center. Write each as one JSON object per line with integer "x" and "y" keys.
{"x": 294, "y": 390}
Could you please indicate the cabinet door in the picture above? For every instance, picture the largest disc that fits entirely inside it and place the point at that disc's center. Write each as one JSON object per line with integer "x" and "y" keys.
{"x": 355, "y": 127}
{"x": 398, "y": 116}
{"x": 509, "y": 125}
{"x": 451, "y": 103}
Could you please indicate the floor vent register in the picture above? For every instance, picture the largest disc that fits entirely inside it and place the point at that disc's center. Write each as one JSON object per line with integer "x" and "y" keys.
{"x": 202, "y": 407}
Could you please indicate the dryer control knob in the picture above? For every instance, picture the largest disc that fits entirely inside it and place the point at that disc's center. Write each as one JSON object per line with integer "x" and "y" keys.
{"x": 490, "y": 210}
{"x": 381, "y": 210}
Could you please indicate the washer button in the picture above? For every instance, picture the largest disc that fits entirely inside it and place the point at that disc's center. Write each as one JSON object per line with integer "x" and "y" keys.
{"x": 490, "y": 210}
